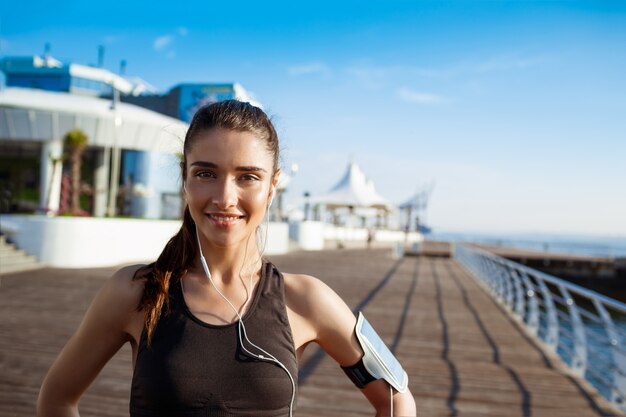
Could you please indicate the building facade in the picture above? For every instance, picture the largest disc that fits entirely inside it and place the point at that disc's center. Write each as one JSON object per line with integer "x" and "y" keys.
{"x": 41, "y": 101}
{"x": 131, "y": 165}
{"x": 183, "y": 100}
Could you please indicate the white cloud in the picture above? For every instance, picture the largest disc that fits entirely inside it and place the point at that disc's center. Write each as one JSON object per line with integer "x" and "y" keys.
{"x": 508, "y": 62}
{"x": 162, "y": 42}
{"x": 411, "y": 96}
{"x": 313, "y": 68}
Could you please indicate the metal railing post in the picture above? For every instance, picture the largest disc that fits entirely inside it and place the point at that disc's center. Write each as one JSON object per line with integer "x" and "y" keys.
{"x": 520, "y": 300}
{"x": 579, "y": 360}
{"x": 552, "y": 331}
{"x": 533, "y": 304}
{"x": 495, "y": 277}
{"x": 507, "y": 277}
{"x": 618, "y": 389}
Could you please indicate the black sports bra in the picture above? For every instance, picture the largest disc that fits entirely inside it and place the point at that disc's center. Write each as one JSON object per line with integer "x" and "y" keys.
{"x": 197, "y": 369}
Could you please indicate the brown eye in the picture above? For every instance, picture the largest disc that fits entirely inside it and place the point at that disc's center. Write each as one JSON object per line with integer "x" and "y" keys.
{"x": 249, "y": 177}
{"x": 204, "y": 174}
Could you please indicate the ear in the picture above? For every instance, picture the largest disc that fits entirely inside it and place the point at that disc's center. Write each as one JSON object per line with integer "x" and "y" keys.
{"x": 273, "y": 187}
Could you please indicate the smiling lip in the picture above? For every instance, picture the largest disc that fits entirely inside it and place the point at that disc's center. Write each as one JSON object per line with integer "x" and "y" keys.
{"x": 224, "y": 219}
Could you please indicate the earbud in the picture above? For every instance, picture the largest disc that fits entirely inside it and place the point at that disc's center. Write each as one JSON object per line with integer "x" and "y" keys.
{"x": 272, "y": 197}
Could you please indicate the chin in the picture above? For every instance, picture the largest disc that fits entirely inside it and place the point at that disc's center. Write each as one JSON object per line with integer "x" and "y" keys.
{"x": 229, "y": 240}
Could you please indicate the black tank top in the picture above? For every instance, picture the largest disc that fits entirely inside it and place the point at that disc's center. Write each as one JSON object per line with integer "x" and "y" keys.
{"x": 195, "y": 369}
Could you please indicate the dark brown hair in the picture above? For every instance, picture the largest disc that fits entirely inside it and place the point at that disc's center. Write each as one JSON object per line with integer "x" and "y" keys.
{"x": 181, "y": 251}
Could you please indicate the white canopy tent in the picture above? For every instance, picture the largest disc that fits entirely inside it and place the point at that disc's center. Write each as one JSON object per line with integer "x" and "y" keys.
{"x": 353, "y": 190}
{"x": 353, "y": 197}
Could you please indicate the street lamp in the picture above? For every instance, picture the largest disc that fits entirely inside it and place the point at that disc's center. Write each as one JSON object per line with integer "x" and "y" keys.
{"x": 115, "y": 156}
{"x": 306, "y": 205}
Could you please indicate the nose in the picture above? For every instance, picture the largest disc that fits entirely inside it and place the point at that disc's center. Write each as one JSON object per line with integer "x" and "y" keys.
{"x": 226, "y": 194}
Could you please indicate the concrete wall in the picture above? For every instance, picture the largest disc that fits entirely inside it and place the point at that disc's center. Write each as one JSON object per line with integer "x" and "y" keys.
{"x": 350, "y": 234}
{"x": 308, "y": 234}
{"x": 277, "y": 239}
{"x": 86, "y": 242}
{"x": 314, "y": 235}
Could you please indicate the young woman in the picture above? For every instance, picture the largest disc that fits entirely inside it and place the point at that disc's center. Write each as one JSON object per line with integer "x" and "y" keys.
{"x": 215, "y": 330}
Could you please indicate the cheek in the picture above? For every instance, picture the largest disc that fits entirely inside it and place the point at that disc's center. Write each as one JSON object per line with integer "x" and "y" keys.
{"x": 196, "y": 194}
{"x": 200, "y": 194}
{"x": 257, "y": 199}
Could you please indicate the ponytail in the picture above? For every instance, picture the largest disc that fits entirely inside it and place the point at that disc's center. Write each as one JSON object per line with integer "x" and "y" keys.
{"x": 177, "y": 256}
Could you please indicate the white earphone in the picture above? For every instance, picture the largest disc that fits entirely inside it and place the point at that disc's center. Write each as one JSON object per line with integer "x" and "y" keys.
{"x": 272, "y": 197}
{"x": 264, "y": 355}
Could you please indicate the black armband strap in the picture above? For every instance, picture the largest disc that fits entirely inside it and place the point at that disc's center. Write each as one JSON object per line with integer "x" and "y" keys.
{"x": 358, "y": 374}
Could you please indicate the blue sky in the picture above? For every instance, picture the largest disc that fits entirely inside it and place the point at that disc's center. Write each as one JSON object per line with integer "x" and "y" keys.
{"x": 516, "y": 110}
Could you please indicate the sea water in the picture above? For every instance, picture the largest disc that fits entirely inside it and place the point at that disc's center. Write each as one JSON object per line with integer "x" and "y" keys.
{"x": 602, "y": 246}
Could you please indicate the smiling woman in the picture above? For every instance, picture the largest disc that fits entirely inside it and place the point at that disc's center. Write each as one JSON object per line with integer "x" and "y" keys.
{"x": 229, "y": 181}
{"x": 215, "y": 329}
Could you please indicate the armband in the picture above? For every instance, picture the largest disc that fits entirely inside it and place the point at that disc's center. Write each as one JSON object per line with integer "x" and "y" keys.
{"x": 377, "y": 362}
{"x": 358, "y": 374}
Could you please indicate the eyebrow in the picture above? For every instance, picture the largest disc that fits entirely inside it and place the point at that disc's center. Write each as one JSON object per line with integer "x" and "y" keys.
{"x": 247, "y": 168}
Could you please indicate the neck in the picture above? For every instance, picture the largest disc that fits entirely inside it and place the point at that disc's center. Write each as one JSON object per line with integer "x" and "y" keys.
{"x": 226, "y": 263}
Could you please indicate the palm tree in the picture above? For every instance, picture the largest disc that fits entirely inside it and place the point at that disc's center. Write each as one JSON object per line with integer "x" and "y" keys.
{"x": 76, "y": 140}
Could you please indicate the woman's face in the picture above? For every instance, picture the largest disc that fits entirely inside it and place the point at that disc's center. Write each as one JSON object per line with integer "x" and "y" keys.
{"x": 229, "y": 182}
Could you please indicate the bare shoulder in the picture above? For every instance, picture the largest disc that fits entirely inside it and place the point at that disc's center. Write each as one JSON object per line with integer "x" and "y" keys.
{"x": 116, "y": 305}
{"x": 118, "y": 300}
{"x": 327, "y": 317}
{"x": 314, "y": 300}
{"x": 306, "y": 291}
{"x": 125, "y": 278}
{"x": 301, "y": 282}
{"x": 124, "y": 287}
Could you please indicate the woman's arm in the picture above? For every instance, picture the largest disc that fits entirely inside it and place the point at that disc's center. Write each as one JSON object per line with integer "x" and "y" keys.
{"x": 377, "y": 392}
{"x": 326, "y": 319}
{"x": 103, "y": 331}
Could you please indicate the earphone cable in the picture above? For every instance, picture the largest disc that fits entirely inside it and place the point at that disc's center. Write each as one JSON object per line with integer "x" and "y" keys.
{"x": 242, "y": 329}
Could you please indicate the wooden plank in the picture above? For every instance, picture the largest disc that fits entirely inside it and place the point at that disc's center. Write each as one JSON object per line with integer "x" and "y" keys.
{"x": 464, "y": 356}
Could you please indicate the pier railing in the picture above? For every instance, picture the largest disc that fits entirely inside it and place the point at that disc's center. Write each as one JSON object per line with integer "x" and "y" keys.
{"x": 586, "y": 329}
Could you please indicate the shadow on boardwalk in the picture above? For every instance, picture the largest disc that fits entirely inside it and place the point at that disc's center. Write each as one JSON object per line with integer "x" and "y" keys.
{"x": 463, "y": 355}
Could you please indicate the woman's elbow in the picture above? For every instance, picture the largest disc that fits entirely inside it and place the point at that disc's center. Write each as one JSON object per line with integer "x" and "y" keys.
{"x": 51, "y": 405}
{"x": 409, "y": 404}
{"x": 404, "y": 405}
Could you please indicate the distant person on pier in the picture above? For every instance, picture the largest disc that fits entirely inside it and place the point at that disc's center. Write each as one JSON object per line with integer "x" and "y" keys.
{"x": 215, "y": 329}
{"x": 370, "y": 237}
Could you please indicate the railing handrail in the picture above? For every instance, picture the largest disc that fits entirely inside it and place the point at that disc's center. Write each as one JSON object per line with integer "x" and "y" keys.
{"x": 585, "y": 292}
{"x": 585, "y": 336}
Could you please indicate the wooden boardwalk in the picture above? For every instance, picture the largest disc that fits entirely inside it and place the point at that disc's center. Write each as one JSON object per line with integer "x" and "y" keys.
{"x": 464, "y": 356}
